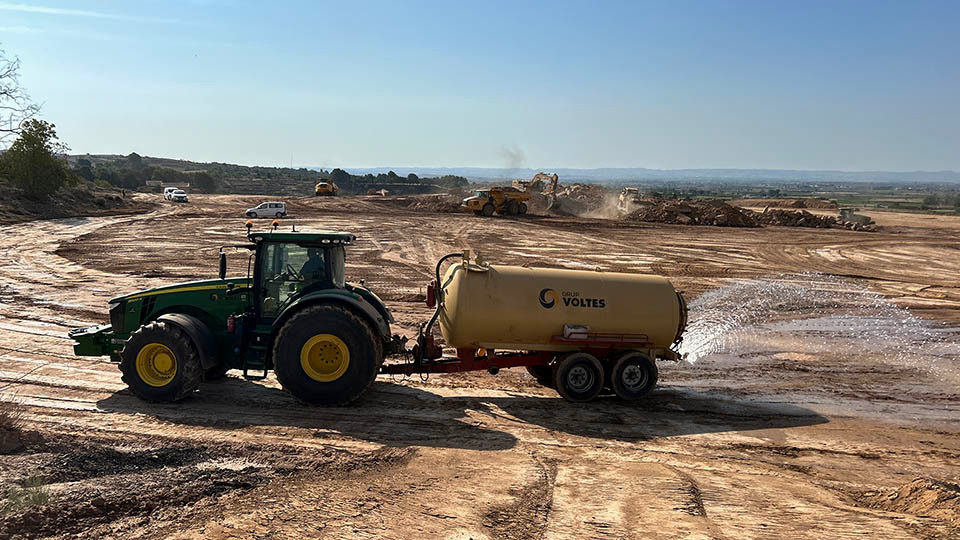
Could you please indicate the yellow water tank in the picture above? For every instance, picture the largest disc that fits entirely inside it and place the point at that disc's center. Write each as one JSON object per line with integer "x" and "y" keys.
{"x": 520, "y": 308}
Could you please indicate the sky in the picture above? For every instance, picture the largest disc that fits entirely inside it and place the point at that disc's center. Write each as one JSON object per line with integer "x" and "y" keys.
{"x": 841, "y": 85}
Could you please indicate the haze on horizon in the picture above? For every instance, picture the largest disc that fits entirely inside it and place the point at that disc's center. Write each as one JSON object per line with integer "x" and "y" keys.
{"x": 670, "y": 85}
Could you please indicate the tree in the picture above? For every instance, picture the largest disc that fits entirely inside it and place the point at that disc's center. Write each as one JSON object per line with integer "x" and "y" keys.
{"x": 203, "y": 182}
{"x": 135, "y": 160}
{"x": 339, "y": 176}
{"x": 33, "y": 162}
{"x": 15, "y": 105}
{"x": 412, "y": 178}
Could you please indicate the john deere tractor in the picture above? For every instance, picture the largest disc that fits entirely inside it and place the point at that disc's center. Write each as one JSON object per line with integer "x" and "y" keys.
{"x": 324, "y": 338}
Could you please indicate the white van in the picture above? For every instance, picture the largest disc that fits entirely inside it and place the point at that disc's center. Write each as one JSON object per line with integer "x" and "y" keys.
{"x": 167, "y": 192}
{"x": 178, "y": 195}
{"x": 268, "y": 209}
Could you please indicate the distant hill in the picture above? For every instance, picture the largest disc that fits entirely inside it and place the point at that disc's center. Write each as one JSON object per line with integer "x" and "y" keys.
{"x": 622, "y": 175}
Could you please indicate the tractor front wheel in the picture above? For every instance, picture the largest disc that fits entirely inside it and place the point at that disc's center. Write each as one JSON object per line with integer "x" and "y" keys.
{"x": 160, "y": 363}
{"x": 488, "y": 209}
{"x": 326, "y": 355}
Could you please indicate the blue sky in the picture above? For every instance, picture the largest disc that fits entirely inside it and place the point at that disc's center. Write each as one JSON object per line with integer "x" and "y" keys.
{"x": 806, "y": 85}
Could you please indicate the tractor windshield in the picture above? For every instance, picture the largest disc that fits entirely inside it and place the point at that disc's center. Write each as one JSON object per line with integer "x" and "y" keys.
{"x": 291, "y": 269}
{"x": 483, "y": 194}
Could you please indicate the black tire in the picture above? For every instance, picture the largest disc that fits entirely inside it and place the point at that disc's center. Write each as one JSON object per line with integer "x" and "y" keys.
{"x": 543, "y": 375}
{"x": 362, "y": 360}
{"x": 216, "y": 373}
{"x": 253, "y": 215}
{"x": 522, "y": 208}
{"x": 186, "y": 361}
{"x": 578, "y": 376}
{"x": 278, "y": 215}
{"x": 488, "y": 210}
{"x": 634, "y": 375}
{"x": 512, "y": 208}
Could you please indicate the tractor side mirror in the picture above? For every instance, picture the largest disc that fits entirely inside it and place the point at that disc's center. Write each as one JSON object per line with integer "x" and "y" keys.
{"x": 223, "y": 265}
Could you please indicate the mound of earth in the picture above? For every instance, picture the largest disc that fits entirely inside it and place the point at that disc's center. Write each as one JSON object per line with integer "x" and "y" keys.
{"x": 786, "y": 203}
{"x": 589, "y": 197}
{"x": 426, "y": 203}
{"x": 82, "y": 200}
{"x": 802, "y": 218}
{"x": 921, "y": 497}
{"x": 793, "y": 218}
{"x": 714, "y": 212}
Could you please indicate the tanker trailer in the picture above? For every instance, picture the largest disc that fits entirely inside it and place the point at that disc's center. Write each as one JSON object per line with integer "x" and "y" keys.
{"x": 578, "y": 331}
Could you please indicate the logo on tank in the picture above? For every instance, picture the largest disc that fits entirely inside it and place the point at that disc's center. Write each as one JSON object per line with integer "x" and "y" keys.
{"x": 550, "y": 298}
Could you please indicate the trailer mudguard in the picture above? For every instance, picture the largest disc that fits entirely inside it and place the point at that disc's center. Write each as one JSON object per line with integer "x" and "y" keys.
{"x": 201, "y": 335}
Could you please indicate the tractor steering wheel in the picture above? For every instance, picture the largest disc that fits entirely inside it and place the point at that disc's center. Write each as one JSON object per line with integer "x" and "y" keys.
{"x": 292, "y": 272}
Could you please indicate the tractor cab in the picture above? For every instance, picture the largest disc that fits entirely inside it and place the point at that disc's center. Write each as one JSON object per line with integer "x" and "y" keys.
{"x": 290, "y": 265}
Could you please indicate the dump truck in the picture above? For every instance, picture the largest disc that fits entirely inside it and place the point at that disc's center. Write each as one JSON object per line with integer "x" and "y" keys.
{"x": 294, "y": 313}
{"x": 326, "y": 188}
{"x": 502, "y": 200}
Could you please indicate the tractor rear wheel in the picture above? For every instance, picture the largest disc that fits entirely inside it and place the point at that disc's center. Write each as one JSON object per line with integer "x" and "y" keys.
{"x": 326, "y": 355}
{"x": 160, "y": 363}
{"x": 634, "y": 375}
{"x": 488, "y": 209}
{"x": 578, "y": 376}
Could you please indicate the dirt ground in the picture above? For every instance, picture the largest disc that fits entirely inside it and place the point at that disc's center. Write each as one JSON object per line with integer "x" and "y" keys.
{"x": 792, "y": 433}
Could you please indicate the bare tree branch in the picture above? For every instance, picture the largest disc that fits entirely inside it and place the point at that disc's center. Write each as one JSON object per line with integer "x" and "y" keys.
{"x": 15, "y": 105}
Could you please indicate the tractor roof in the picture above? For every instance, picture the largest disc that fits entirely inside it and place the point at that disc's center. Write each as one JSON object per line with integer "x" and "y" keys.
{"x": 310, "y": 237}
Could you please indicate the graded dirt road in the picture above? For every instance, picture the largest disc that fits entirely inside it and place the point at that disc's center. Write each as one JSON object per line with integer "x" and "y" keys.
{"x": 795, "y": 429}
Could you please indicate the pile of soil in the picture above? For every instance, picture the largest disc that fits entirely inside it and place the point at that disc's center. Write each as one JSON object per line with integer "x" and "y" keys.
{"x": 921, "y": 497}
{"x": 444, "y": 203}
{"x": 582, "y": 197}
{"x": 802, "y": 218}
{"x": 714, "y": 212}
{"x": 793, "y": 218}
{"x": 81, "y": 200}
{"x": 787, "y": 203}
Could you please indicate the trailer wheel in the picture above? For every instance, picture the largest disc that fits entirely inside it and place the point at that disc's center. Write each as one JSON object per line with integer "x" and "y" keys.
{"x": 160, "y": 363}
{"x": 578, "y": 376}
{"x": 512, "y": 208}
{"x": 634, "y": 375}
{"x": 543, "y": 375}
{"x": 522, "y": 208}
{"x": 488, "y": 210}
{"x": 325, "y": 355}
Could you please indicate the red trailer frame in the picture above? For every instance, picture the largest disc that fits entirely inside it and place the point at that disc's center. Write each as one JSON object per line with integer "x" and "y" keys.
{"x": 597, "y": 344}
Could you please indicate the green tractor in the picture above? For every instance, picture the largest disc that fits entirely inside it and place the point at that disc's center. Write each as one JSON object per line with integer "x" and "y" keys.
{"x": 324, "y": 338}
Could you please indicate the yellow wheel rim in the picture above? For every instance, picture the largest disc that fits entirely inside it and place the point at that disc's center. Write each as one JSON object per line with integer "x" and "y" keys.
{"x": 156, "y": 364}
{"x": 324, "y": 357}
